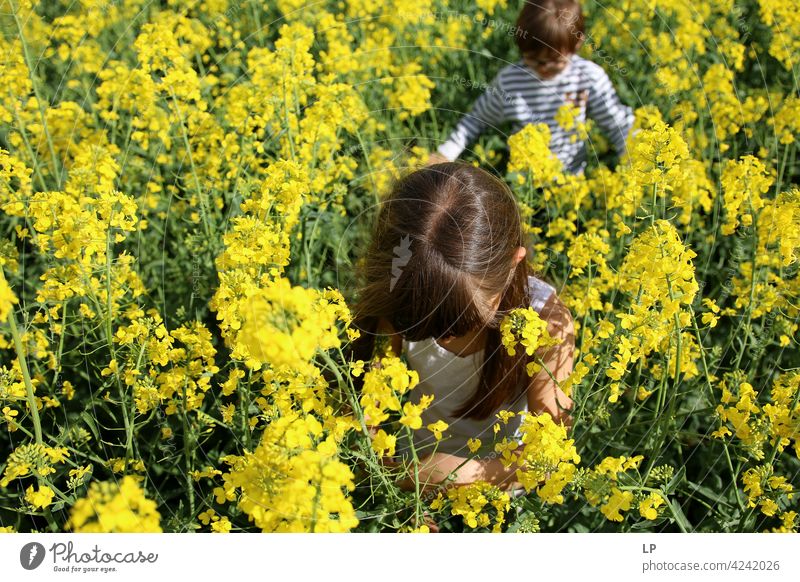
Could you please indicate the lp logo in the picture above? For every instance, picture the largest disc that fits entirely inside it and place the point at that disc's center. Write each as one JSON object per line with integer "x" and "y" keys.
{"x": 31, "y": 555}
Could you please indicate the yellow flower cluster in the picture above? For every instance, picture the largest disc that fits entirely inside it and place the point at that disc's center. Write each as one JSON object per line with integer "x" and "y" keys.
{"x": 293, "y": 481}
{"x": 410, "y": 90}
{"x": 601, "y": 487}
{"x": 32, "y": 459}
{"x": 779, "y": 229}
{"x": 788, "y": 523}
{"x": 384, "y": 385}
{"x": 524, "y": 327}
{"x": 784, "y": 20}
{"x": 218, "y": 524}
{"x": 648, "y": 507}
{"x": 115, "y": 507}
{"x": 530, "y": 154}
{"x": 728, "y": 112}
{"x": 744, "y": 182}
{"x": 783, "y": 413}
{"x": 786, "y": 119}
{"x": 656, "y": 152}
{"x": 39, "y": 498}
{"x": 765, "y": 489}
{"x": 569, "y": 118}
{"x": 754, "y": 424}
{"x": 740, "y": 408}
{"x": 285, "y": 325}
{"x": 547, "y": 459}
{"x": 384, "y": 443}
{"x": 7, "y": 298}
{"x": 473, "y": 503}
{"x": 658, "y": 273}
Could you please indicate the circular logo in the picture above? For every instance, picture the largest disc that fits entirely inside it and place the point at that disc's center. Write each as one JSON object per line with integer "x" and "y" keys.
{"x": 31, "y": 555}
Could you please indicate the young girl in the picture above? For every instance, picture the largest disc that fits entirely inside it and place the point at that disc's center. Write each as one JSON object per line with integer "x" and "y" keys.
{"x": 446, "y": 263}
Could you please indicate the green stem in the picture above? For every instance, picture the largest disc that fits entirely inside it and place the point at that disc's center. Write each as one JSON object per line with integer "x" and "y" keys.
{"x": 110, "y": 338}
{"x": 188, "y": 450}
{"x": 26, "y": 56}
{"x": 200, "y": 193}
{"x": 37, "y": 425}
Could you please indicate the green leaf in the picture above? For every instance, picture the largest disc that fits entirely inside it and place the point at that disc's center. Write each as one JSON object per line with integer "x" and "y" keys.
{"x": 680, "y": 474}
{"x": 91, "y": 424}
{"x": 680, "y": 517}
{"x": 708, "y": 493}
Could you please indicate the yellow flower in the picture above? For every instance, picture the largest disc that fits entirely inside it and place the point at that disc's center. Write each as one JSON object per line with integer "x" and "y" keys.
{"x": 648, "y": 507}
{"x": 357, "y": 368}
{"x": 547, "y": 458}
{"x": 7, "y": 298}
{"x": 293, "y": 481}
{"x": 384, "y": 444}
{"x": 619, "y": 501}
{"x": 412, "y": 413}
{"x": 207, "y": 516}
{"x": 437, "y": 428}
{"x": 32, "y": 459}
{"x": 40, "y": 498}
{"x": 744, "y": 182}
{"x": 221, "y": 526}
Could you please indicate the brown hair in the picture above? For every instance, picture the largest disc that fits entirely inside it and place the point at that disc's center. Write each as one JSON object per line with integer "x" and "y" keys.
{"x": 550, "y": 26}
{"x": 443, "y": 247}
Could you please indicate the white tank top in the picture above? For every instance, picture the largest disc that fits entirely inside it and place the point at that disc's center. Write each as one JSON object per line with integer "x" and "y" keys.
{"x": 452, "y": 380}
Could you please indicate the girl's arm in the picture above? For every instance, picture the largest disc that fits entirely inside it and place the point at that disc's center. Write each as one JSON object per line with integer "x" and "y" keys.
{"x": 434, "y": 469}
{"x": 544, "y": 395}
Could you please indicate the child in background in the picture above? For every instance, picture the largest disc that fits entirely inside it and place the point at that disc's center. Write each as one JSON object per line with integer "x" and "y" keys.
{"x": 549, "y": 75}
{"x": 462, "y": 248}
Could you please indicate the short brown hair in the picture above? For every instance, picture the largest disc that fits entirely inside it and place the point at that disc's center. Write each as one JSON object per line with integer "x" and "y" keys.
{"x": 553, "y": 26}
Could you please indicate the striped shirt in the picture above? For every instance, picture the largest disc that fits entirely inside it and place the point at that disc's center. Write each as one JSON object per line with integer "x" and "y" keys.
{"x": 518, "y": 94}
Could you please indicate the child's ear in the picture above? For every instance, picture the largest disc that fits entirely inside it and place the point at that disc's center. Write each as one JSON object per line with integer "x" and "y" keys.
{"x": 578, "y": 46}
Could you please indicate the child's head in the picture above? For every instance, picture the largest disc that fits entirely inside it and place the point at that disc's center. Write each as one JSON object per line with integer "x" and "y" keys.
{"x": 447, "y": 246}
{"x": 447, "y": 258}
{"x": 550, "y": 32}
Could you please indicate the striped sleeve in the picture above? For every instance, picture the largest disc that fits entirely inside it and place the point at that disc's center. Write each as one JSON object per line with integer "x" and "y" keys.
{"x": 605, "y": 107}
{"x": 487, "y": 111}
